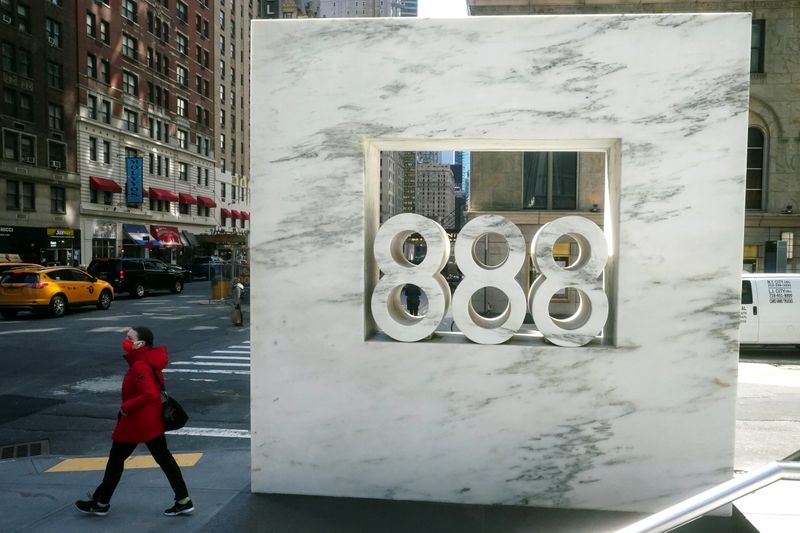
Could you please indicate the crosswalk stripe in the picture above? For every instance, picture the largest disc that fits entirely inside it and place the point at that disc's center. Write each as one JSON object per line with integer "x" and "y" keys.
{"x": 42, "y": 330}
{"x": 209, "y": 364}
{"x": 230, "y": 351}
{"x": 208, "y": 371}
{"x": 221, "y": 357}
{"x": 247, "y": 347}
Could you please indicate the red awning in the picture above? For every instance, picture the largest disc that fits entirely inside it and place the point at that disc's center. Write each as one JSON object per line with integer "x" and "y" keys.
{"x": 245, "y": 215}
{"x": 206, "y": 201}
{"x": 225, "y": 213}
{"x": 102, "y": 184}
{"x": 186, "y": 198}
{"x": 168, "y": 236}
{"x": 163, "y": 194}
{"x": 235, "y": 214}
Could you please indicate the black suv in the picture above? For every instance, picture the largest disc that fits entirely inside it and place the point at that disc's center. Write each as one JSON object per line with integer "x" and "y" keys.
{"x": 136, "y": 275}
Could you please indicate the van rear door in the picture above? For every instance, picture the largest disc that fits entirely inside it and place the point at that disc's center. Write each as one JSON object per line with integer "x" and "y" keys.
{"x": 748, "y": 317}
{"x": 778, "y": 310}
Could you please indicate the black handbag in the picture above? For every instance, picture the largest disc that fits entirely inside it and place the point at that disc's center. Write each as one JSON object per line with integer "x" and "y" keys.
{"x": 173, "y": 414}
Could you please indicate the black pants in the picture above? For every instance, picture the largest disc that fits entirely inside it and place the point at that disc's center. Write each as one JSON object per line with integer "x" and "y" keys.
{"x": 116, "y": 464}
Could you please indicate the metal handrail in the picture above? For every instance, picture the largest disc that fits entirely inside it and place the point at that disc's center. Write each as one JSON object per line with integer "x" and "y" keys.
{"x": 724, "y": 493}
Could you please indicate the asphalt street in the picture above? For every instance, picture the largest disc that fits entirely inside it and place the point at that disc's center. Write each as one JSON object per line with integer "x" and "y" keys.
{"x": 60, "y": 378}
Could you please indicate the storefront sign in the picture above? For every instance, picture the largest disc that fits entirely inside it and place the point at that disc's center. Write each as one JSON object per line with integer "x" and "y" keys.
{"x": 105, "y": 229}
{"x": 135, "y": 190}
{"x": 60, "y": 232}
{"x": 6, "y": 231}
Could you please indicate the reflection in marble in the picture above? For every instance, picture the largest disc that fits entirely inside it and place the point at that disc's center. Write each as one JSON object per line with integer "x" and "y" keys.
{"x": 635, "y": 424}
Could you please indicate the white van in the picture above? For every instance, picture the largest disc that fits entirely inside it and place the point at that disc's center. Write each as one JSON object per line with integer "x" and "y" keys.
{"x": 770, "y": 309}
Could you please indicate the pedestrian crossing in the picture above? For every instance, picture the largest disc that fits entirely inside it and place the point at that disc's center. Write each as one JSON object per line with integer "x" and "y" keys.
{"x": 232, "y": 361}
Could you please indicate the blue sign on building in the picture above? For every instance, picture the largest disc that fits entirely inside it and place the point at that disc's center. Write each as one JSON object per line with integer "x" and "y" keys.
{"x": 135, "y": 190}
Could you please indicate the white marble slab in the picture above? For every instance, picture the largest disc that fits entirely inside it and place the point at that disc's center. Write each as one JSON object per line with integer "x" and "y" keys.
{"x": 634, "y": 425}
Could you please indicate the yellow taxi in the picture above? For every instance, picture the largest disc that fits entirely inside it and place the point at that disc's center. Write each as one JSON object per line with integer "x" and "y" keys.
{"x": 51, "y": 289}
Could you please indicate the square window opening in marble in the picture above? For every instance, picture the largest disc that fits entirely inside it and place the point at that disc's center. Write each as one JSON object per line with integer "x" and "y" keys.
{"x": 526, "y": 183}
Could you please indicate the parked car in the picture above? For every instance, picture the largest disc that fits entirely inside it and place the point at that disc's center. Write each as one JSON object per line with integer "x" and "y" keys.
{"x": 51, "y": 289}
{"x": 137, "y": 276}
{"x": 185, "y": 273}
{"x": 206, "y": 267}
{"x": 770, "y": 309}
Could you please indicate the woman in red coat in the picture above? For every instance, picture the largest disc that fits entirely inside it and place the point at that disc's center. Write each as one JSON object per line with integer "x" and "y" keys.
{"x": 139, "y": 420}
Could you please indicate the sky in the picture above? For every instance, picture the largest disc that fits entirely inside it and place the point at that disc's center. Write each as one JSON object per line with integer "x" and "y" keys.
{"x": 442, "y": 8}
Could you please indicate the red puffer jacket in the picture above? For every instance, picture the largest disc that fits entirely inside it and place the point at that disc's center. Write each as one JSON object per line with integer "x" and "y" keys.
{"x": 141, "y": 396}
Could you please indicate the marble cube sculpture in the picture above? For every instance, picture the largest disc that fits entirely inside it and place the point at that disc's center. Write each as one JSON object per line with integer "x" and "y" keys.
{"x": 635, "y": 423}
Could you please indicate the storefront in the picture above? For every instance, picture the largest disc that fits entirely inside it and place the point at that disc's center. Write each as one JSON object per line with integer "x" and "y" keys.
{"x": 56, "y": 246}
{"x": 171, "y": 246}
{"x": 104, "y": 239}
{"x": 136, "y": 240}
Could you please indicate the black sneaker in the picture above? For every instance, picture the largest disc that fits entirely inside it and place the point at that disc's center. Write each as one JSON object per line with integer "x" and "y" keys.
{"x": 92, "y": 507}
{"x": 180, "y": 508}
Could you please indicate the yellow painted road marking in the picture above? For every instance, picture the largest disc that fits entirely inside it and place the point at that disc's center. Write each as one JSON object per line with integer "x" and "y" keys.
{"x": 88, "y": 464}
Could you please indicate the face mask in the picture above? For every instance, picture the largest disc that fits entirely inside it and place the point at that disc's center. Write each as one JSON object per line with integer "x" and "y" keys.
{"x": 127, "y": 345}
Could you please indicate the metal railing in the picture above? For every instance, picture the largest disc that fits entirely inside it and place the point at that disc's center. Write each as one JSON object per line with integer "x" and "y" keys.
{"x": 715, "y": 497}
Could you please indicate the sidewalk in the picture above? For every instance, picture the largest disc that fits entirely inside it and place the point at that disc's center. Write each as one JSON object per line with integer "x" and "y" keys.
{"x": 41, "y": 501}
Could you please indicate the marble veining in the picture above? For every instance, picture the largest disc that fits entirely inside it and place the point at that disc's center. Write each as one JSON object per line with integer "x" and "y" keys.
{"x": 633, "y": 424}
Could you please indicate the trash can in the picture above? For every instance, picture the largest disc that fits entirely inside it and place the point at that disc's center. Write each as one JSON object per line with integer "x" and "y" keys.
{"x": 220, "y": 289}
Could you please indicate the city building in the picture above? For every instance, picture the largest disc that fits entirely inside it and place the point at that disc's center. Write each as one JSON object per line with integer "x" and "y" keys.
{"x": 232, "y": 103}
{"x": 39, "y": 168}
{"x": 145, "y": 126}
{"x": 358, "y": 8}
{"x": 409, "y": 182}
{"x": 772, "y": 199}
{"x": 408, "y": 8}
{"x": 435, "y": 193}
{"x": 392, "y": 185}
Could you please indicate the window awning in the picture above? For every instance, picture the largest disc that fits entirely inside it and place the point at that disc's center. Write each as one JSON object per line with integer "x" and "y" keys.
{"x": 163, "y": 194}
{"x": 235, "y": 214}
{"x": 140, "y": 235}
{"x": 206, "y": 201}
{"x": 245, "y": 215}
{"x": 186, "y": 198}
{"x": 190, "y": 238}
{"x": 169, "y": 236}
{"x": 225, "y": 213}
{"x": 97, "y": 183}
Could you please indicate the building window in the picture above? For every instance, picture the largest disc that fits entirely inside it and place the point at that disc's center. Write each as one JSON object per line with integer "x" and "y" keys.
{"x": 105, "y": 112}
{"x": 129, "y": 9}
{"x": 181, "y": 106}
{"x": 91, "y": 66}
{"x": 107, "y": 199}
{"x": 182, "y": 42}
{"x": 28, "y": 196}
{"x": 25, "y": 111}
{"x": 182, "y": 138}
{"x": 182, "y": 75}
{"x": 24, "y": 62}
{"x": 183, "y": 209}
{"x": 56, "y": 154}
{"x": 129, "y": 47}
{"x": 183, "y": 171}
{"x": 55, "y": 75}
{"x": 104, "y": 33}
{"x": 182, "y": 11}
{"x": 9, "y": 102}
{"x": 222, "y": 141}
{"x": 757, "y": 41}
{"x": 107, "y": 152}
{"x": 105, "y": 70}
{"x": 550, "y": 180}
{"x": 130, "y": 83}
{"x": 205, "y": 182}
{"x": 92, "y": 149}
{"x": 756, "y": 157}
{"x": 91, "y": 25}
{"x": 91, "y": 104}
{"x": 131, "y": 120}
{"x": 24, "y": 18}
{"x": 58, "y": 200}
{"x": 199, "y": 176}
{"x": 9, "y": 57}
{"x": 12, "y": 194}
{"x": 53, "y": 29}
{"x": 55, "y": 117}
